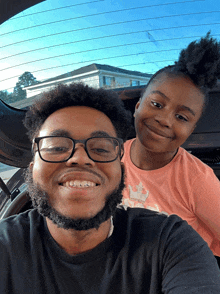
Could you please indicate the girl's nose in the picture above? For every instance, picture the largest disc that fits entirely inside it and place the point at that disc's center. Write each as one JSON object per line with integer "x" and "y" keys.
{"x": 165, "y": 119}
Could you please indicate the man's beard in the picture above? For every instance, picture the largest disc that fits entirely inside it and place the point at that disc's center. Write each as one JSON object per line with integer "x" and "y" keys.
{"x": 40, "y": 200}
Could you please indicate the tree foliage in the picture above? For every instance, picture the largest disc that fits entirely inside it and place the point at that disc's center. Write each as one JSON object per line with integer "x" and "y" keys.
{"x": 7, "y": 97}
{"x": 25, "y": 80}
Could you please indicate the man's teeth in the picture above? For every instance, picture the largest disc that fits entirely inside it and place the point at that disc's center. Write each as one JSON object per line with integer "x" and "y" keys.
{"x": 79, "y": 184}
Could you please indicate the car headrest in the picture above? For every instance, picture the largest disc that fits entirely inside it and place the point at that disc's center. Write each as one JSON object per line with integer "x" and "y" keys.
{"x": 15, "y": 146}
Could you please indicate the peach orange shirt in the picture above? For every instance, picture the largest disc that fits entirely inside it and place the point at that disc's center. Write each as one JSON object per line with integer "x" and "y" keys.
{"x": 186, "y": 187}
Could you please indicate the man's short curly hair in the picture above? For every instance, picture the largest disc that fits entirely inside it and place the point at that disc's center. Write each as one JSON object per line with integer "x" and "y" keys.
{"x": 78, "y": 94}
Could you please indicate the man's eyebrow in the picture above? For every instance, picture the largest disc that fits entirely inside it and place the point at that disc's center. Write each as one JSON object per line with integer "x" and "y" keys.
{"x": 64, "y": 133}
{"x": 60, "y": 132}
{"x": 99, "y": 134}
{"x": 167, "y": 98}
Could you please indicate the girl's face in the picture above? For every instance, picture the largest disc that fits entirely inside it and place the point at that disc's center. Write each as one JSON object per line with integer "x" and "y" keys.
{"x": 167, "y": 113}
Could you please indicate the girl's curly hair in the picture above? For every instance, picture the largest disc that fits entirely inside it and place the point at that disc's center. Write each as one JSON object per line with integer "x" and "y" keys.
{"x": 78, "y": 94}
{"x": 200, "y": 61}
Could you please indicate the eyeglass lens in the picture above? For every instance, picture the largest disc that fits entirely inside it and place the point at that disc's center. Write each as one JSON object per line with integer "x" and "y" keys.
{"x": 60, "y": 148}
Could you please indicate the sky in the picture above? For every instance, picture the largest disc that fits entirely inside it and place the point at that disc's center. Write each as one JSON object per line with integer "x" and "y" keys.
{"x": 57, "y": 36}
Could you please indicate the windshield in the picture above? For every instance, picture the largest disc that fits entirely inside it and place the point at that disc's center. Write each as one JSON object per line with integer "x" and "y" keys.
{"x": 104, "y": 43}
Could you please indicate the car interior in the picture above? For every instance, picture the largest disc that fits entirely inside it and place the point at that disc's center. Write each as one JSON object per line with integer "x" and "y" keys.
{"x": 15, "y": 146}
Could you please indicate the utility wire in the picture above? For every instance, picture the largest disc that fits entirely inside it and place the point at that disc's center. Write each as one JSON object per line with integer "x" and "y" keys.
{"x": 103, "y": 58}
{"x": 75, "y": 30}
{"x": 96, "y": 14}
{"x": 147, "y": 62}
{"x": 96, "y": 49}
{"x": 79, "y": 41}
{"x": 52, "y": 46}
{"x": 63, "y": 7}
{"x": 93, "y": 27}
{"x": 79, "y": 52}
{"x": 58, "y": 8}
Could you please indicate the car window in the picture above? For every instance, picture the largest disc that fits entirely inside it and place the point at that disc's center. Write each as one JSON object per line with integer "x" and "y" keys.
{"x": 105, "y": 43}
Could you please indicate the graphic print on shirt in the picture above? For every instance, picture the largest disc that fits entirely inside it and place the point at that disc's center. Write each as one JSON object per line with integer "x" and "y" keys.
{"x": 138, "y": 198}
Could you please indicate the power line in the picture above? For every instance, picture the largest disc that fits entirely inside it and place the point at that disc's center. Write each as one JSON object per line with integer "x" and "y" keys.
{"x": 122, "y": 22}
{"x": 53, "y": 46}
{"x": 79, "y": 52}
{"x": 58, "y": 8}
{"x": 96, "y": 49}
{"x": 101, "y": 13}
{"x": 142, "y": 63}
{"x": 70, "y": 31}
{"x": 64, "y": 7}
{"x": 93, "y": 27}
{"x": 103, "y": 58}
{"x": 147, "y": 62}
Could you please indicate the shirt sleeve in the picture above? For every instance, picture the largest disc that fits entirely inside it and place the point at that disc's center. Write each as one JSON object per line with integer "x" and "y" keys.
{"x": 206, "y": 205}
{"x": 5, "y": 270}
{"x": 188, "y": 264}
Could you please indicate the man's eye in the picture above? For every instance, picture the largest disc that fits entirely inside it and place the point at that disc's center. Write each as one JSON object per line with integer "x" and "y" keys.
{"x": 54, "y": 149}
{"x": 100, "y": 150}
{"x": 182, "y": 118}
{"x": 156, "y": 104}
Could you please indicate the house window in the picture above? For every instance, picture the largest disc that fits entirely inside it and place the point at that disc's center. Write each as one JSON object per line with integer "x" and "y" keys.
{"x": 108, "y": 81}
{"x": 134, "y": 83}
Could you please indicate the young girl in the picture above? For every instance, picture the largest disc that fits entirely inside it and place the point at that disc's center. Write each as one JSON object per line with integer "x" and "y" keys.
{"x": 161, "y": 175}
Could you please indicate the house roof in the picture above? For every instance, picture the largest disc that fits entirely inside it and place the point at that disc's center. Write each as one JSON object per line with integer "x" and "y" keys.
{"x": 97, "y": 67}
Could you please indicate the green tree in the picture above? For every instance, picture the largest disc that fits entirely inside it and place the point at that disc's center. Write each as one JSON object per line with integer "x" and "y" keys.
{"x": 25, "y": 80}
{"x": 7, "y": 97}
{"x": 19, "y": 93}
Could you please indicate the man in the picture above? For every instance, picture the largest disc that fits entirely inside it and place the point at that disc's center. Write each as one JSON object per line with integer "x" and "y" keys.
{"x": 76, "y": 240}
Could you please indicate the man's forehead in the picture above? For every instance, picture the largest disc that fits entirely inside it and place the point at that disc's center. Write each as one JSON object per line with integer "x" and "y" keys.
{"x": 78, "y": 119}
{"x": 65, "y": 133}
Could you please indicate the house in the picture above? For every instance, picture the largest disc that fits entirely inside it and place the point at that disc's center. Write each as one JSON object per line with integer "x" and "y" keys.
{"x": 94, "y": 75}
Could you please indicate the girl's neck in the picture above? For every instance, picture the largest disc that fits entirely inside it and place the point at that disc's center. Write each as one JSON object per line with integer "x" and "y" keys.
{"x": 148, "y": 160}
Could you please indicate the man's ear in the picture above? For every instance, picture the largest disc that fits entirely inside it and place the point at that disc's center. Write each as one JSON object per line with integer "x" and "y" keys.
{"x": 31, "y": 164}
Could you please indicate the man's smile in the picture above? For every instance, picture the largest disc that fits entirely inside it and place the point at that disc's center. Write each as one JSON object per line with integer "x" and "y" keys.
{"x": 80, "y": 179}
{"x": 79, "y": 184}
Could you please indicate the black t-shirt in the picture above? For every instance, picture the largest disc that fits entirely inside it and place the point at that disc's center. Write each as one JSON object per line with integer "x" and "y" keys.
{"x": 148, "y": 253}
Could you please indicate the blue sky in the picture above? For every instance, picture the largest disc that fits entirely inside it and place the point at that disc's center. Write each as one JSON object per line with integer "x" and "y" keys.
{"x": 58, "y": 36}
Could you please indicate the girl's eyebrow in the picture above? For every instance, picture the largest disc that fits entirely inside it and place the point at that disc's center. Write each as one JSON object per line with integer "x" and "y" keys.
{"x": 167, "y": 98}
{"x": 161, "y": 94}
{"x": 189, "y": 109}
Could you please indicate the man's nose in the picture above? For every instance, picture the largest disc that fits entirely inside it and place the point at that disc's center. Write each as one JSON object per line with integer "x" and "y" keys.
{"x": 80, "y": 156}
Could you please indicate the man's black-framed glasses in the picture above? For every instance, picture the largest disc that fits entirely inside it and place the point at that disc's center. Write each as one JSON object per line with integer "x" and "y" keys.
{"x": 60, "y": 149}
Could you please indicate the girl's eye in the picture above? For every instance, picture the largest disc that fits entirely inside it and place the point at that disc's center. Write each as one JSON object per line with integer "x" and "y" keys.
{"x": 156, "y": 104}
{"x": 182, "y": 118}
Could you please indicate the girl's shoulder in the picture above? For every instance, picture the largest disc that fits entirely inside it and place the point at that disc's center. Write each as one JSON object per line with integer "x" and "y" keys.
{"x": 189, "y": 161}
